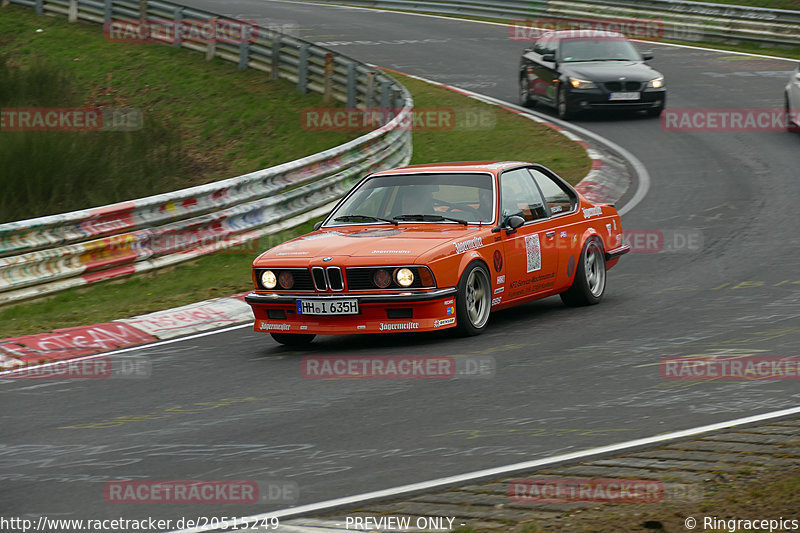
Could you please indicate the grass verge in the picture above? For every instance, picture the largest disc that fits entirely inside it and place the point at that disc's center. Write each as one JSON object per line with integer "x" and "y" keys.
{"x": 511, "y": 138}
{"x": 221, "y": 121}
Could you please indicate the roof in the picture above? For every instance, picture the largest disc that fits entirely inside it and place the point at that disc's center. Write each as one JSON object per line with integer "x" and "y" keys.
{"x": 456, "y": 166}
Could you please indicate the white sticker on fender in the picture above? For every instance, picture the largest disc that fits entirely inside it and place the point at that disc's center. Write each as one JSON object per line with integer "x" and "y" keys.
{"x": 534, "y": 252}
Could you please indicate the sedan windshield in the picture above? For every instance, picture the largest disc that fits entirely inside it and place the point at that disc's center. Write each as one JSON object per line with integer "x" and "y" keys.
{"x": 599, "y": 49}
{"x": 429, "y": 198}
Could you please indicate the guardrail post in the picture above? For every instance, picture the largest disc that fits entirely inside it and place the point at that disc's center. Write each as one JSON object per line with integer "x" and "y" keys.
{"x": 39, "y": 7}
{"x": 386, "y": 95}
{"x": 244, "y": 54}
{"x": 302, "y": 69}
{"x": 352, "y": 87}
{"x": 107, "y": 11}
{"x": 72, "y": 11}
{"x": 177, "y": 30}
{"x": 328, "y": 84}
{"x": 275, "y": 68}
{"x": 370, "y": 92}
{"x": 211, "y": 46}
{"x": 397, "y": 99}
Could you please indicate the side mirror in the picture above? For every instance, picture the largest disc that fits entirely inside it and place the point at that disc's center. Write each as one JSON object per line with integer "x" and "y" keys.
{"x": 550, "y": 58}
{"x": 513, "y": 223}
{"x": 647, "y": 56}
{"x": 317, "y": 225}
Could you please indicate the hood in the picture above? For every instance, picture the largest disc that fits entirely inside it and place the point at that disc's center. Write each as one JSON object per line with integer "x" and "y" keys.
{"x": 610, "y": 71}
{"x": 398, "y": 244}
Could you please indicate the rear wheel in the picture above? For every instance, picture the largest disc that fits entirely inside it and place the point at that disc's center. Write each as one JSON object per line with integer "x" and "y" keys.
{"x": 590, "y": 278}
{"x": 292, "y": 339}
{"x": 474, "y": 300}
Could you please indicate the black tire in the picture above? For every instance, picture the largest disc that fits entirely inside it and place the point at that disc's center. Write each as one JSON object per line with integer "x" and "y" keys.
{"x": 473, "y": 300}
{"x": 562, "y": 106}
{"x": 791, "y": 125}
{"x": 655, "y": 112}
{"x": 292, "y": 339}
{"x": 525, "y": 99}
{"x": 589, "y": 284}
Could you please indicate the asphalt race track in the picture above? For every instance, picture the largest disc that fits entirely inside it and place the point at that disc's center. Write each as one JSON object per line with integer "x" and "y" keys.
{"x": 234, "y": 405}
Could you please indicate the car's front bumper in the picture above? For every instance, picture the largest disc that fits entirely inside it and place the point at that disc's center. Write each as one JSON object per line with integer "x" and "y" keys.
{"x": 598, "y": 99}
{"x": 378, "y": 313}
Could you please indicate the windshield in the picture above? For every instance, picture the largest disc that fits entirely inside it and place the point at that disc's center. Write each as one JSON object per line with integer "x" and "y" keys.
{"x": 598, "y": 49}
{"x": 433, "y": 198}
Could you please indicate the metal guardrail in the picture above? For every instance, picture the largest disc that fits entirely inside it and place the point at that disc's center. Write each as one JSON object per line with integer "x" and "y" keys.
{"x": 53, "y": 253}
{"x": 679, "y": 19}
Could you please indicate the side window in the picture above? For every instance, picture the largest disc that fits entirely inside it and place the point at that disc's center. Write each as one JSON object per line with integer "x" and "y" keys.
{"x": 539, "y": 46}
{"x": 551, "y": 45}
{"x": 557, "y": 198}
{"x": 520, "y": 196}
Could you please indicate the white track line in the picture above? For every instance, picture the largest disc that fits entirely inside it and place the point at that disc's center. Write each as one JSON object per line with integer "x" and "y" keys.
{"x": 503, "y": 470}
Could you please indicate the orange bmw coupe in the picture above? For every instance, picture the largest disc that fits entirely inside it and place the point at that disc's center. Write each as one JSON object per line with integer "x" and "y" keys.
{"x": 429, "y": 247}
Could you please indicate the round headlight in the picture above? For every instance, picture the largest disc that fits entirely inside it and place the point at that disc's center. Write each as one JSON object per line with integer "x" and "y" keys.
{"x": 268, "y": 279}
{"x": 382, "y": 278}
{"x": 286, "y": 280}
{"x": 404, "y": 277}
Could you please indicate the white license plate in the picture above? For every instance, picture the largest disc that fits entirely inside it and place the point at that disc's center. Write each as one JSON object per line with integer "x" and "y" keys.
{"x": 624, "y": 96}
{"x": 327, "y": 307}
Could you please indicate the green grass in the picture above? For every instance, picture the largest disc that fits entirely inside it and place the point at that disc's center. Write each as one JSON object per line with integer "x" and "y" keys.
{"x": 222, "y": 274}
{"x": 211, "y": 120}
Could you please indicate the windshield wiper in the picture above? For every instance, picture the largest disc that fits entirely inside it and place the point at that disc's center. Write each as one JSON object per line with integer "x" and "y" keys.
{"x": 351, "y": 218}
{"x": 430, "y": 218}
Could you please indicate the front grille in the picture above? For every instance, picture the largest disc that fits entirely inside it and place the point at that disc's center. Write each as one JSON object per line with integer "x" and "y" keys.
{"x": 360, "y": 279}
{"x": 614, "y": 86}
{"x": 319, "y": 279}
{"x": 335, "y": 281}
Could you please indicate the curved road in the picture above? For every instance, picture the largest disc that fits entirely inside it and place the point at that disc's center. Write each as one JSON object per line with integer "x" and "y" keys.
{"x": 234, "y": 405}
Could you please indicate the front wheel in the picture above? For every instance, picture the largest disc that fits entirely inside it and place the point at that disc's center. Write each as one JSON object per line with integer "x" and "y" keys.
{"x": 473, "y": 300}
{"x": 292, "y": 339}
{"x": 525, "y": 92}
{"x": 655, "y": 111}
{"x": 791, "y": 124}
{"x": 562, "y": 105}
{"x": 590, "y": 279}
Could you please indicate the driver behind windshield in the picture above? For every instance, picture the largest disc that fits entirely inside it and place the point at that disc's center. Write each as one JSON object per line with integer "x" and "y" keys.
{"x": 416, "y": 200}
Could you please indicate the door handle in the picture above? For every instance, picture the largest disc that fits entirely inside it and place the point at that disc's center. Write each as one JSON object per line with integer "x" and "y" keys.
{"x": 550, "y": 234}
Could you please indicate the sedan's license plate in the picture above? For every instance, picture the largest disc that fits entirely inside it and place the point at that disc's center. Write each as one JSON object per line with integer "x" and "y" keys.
{"x": 327, "y": 307}
{"x": 624, "y": 96}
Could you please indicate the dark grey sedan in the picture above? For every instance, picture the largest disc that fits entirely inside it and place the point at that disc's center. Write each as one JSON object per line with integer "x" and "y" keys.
{"x": 582, "y": 70}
